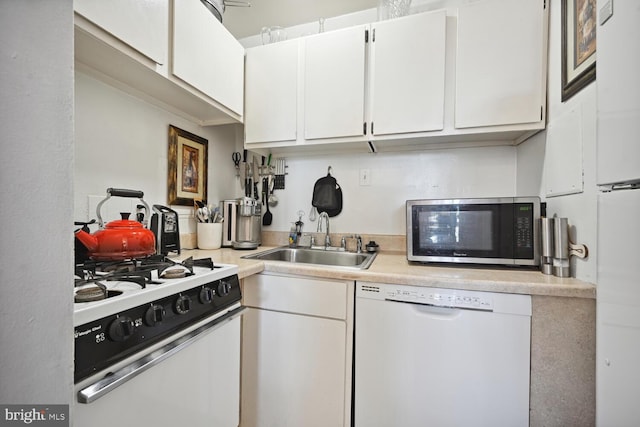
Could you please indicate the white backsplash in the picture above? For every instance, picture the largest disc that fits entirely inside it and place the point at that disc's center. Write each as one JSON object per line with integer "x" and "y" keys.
{"x": 394, "y": 178}
{"x": 121, "y": 142}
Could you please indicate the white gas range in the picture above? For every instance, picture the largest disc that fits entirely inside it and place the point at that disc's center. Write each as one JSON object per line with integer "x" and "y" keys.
{"x": 162, "y": 348}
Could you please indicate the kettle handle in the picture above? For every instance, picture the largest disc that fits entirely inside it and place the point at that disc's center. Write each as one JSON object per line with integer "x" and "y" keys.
{"x": 120, "y": 192}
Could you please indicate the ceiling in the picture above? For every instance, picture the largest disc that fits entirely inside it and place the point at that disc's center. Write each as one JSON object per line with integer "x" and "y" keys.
{"x": 248, "y": 21}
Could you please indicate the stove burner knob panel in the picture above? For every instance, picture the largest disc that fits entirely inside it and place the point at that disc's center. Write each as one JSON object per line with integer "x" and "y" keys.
{"x": 206, "y": 295}
{"x": 183, "y": 304}
{"x": 121, "y": 329}
{"x": 154, "y": 315}
{"x": 224, "y": 288}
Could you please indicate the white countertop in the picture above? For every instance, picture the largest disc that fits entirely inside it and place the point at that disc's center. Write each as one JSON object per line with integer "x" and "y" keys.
{"x": 393, "y": 267}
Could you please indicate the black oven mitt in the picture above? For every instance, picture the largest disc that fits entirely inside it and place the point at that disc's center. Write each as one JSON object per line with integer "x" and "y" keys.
{"x": 327, "y": 196}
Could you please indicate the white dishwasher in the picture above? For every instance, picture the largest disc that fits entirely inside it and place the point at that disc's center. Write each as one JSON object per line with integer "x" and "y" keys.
{"x": 440, "y": 357}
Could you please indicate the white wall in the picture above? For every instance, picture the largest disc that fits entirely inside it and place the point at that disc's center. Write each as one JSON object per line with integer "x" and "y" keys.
{"x": 395, "y": 178}
{"x": 122, "y": 142}
{"x": 536, "y": 166}
{"x": 351, "y": 19}
{"x": 36, "y": 282}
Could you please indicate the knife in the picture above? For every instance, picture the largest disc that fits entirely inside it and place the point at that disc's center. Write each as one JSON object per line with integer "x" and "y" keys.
{"x": 256, "y": 177}
{"x": 247, "y": 178}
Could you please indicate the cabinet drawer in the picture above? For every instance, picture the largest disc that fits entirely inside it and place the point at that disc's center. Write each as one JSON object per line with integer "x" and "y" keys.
{"x": 315, "y": 297}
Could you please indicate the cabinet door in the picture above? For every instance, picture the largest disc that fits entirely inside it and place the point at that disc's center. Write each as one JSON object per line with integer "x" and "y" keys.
{"x": 143, "y": 25}
{"x": 334, "y": 75}
{"x": 206, "y": 55}
{"x": 408, "y": 68}
{"x": 271, "y": 84}
{"x": 499, "y": 63}
{"x": 618, "y": 95}
{"x": 293, "y": 370}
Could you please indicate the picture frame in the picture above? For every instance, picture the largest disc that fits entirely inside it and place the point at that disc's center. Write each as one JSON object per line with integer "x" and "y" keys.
{"x": 187, "y": 169}
{"x": 579, "y": 21}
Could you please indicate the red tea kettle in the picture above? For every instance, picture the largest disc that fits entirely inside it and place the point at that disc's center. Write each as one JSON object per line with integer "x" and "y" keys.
{"x": 120, "y": 239}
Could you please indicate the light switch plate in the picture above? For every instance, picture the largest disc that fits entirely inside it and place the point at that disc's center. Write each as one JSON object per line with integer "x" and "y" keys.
{"x": 365, "y": 177}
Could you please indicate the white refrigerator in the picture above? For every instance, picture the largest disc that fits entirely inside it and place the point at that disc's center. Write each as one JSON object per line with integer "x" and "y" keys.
{"x": 618, "y": 177}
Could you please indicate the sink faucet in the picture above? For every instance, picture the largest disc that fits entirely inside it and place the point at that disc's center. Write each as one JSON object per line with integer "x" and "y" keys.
{"x": 327, "y": 239}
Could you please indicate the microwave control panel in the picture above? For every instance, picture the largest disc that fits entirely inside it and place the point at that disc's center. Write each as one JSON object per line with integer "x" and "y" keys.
{"x": 524, "y": 225}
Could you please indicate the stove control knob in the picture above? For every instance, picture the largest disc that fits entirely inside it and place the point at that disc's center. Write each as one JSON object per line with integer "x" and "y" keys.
{"x": 183, "y": 304}
{"x": 154, "y": 315}
{"x": 206, "y": 295}
{"x": 121, "y": 329}
{"x": 224, "y": 288}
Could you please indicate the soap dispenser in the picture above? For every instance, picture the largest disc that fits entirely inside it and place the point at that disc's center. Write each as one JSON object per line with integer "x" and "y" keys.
{"x": 296, "y": 230}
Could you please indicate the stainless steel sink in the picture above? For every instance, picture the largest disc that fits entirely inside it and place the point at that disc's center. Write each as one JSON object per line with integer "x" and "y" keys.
{"x": 333, "y": 258}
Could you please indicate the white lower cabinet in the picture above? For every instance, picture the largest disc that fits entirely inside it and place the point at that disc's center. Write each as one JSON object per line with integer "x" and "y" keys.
{"x": 297, "y": 338}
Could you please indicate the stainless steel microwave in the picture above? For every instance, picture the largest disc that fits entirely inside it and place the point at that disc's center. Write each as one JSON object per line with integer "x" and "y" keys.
{"x": 477, "y": 231}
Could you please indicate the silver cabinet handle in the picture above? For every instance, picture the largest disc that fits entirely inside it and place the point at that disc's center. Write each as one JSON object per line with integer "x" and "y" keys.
{"x": 114, "y": 380}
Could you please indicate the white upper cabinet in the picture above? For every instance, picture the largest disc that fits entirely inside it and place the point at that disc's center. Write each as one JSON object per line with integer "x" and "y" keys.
{"x": 271, "y": 85}
{"x": 334, "y": 84}
{"x": 195, "y": 69}
{"x": 500, "y": 63}
{"x": 467, "y": 76}
{"x": 407, "y": 72}
{"x": 206, "y": 55}
{"x": 142, "y": 24}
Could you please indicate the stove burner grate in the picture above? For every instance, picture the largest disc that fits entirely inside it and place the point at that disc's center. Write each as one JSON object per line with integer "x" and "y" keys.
{"x": 95, "y": 293}
{"x": 138, "y": 271}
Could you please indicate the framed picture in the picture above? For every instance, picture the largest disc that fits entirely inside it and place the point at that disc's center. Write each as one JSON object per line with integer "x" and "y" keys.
{"x": 187, "y": 175}
{"x": 578, "y": 45}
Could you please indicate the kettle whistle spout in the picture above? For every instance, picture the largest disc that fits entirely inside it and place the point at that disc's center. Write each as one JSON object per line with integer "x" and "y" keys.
{"x": 88, "y": 240}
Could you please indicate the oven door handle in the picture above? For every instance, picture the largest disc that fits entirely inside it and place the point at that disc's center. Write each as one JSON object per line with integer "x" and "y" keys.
{"x": 114, "y": 380}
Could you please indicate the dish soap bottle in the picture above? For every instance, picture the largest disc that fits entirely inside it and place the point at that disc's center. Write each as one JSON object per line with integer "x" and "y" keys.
{"x": 293, "y": 236}
{"x": 296, "y": 230}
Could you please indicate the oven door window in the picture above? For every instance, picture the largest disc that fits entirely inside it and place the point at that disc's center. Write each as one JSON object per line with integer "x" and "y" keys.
{"x": 474, "y": 231}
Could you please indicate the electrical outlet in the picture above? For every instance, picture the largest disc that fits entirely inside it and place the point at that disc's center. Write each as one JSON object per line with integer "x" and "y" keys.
{"x": 365, "y": 177}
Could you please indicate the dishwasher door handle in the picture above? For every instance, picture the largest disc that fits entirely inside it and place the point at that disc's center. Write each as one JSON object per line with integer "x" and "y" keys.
{"x": 114, "y": 380}
{"x": 438, "y": 310}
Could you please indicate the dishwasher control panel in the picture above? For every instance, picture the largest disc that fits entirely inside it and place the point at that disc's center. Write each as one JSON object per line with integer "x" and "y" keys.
{"x": 427, "y": 296}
